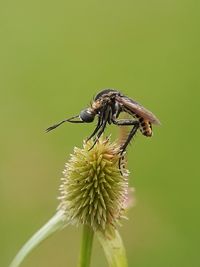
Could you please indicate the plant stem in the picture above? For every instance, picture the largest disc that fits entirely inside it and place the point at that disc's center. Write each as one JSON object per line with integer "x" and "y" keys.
{"x": 114, "y": 249}
{"x": 57, "y": 222}
{"x": 86, "y": 246}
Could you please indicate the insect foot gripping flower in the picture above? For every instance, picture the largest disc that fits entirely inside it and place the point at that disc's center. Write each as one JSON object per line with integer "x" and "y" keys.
{"x": 93, "y": 191}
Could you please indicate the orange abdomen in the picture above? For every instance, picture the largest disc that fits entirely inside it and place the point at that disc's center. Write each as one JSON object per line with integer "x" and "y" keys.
{"x": 145, "y": 127}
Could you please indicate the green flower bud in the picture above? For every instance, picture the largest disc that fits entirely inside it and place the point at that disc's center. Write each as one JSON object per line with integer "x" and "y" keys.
{"x": 93, "y": 190}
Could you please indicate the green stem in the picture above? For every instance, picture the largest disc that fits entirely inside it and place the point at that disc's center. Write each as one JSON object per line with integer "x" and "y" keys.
{"x": 113, "y": 248}
{"x": 57, "y": 222}
{"x": 86, "y": 246}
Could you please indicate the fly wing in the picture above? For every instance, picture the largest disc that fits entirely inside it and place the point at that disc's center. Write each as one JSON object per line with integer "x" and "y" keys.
{"x": 138, "y": 109}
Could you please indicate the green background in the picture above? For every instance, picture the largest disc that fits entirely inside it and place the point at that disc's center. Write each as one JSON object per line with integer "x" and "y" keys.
{"x": 54, "y": 57}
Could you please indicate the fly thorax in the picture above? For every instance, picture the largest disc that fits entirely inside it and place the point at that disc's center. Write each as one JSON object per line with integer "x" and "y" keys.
{"x": 96, "y": 105}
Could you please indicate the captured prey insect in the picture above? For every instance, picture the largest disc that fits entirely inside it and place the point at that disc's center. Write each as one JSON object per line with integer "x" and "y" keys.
{"x": 107, "y": 105}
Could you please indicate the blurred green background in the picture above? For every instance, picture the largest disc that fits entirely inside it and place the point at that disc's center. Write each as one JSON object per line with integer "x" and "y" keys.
{"x": 54, "y": 57}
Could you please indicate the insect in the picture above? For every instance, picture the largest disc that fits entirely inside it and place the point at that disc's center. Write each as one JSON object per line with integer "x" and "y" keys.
{"x": 107, "y": 105}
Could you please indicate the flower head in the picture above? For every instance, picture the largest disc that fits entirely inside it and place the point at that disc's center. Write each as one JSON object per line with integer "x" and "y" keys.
{"x": 93, "y": 190}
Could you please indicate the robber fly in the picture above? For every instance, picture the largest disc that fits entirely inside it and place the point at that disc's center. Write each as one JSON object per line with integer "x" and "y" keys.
{"x": 107, "y": 105}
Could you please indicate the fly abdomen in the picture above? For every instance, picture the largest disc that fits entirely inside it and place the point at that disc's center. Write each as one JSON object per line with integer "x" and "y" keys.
{"x": 145, "y": 127}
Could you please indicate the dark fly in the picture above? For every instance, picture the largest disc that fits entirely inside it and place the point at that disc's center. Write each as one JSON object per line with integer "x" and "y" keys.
{"x": 107, "y": 105}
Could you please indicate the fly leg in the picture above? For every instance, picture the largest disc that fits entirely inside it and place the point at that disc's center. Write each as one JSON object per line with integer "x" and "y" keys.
{"x": 135, "y": 124}
{"x": 99, "y": 124}
{"x": 133, "y": 131}
{"x": 104, "y": 119}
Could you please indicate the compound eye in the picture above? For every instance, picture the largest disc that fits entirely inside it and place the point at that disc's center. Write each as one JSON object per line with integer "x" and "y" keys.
{"x": 87, "y": 116}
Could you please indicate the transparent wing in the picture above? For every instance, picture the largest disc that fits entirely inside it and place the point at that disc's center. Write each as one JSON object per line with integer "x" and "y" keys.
{"x": 138, "y": 109}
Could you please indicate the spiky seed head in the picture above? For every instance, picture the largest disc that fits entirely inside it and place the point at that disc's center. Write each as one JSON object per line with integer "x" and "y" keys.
{"x": 93, "y": 190}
